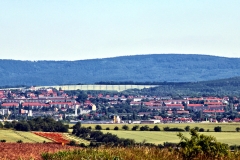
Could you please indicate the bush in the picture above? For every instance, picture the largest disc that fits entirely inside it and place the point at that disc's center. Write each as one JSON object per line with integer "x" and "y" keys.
{"x": 173, "y": 129}
{"x": 199, "y": 145}
{"x": 72, "y": 143}
{"x": 196, "y": 128}
{"x": 1, "y": 125}
{"x": 82, "y": 145}
{"x": 116, "y": 128}
{"x": 19, "y": 141}
{"x": 201, "y": 130}
{"x": 3, "y": 140}
{"x": 144, "y": 128}
{"x": 218, "y": 129}
{"x": 98, "y": 127}
{"x": 238, "y": 129}
{"x": 125, "y": 127}
{"x": 134, "y": 128}
{"x": 156, "y": 128}
{"x": 187, "y": 128}
{"x": 107, "y": 128}
{"x": 89, "y": 127}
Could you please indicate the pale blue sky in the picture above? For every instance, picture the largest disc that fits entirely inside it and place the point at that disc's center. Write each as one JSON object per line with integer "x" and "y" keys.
{"x": 86, "y": 29}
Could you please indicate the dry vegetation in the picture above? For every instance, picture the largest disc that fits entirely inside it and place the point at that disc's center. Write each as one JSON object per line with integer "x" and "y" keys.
{"x": 14, "y": 151}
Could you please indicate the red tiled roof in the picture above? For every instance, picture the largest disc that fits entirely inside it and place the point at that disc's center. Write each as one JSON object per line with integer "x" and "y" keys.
{"x": 195, "y": 105}
{"x": 9, "y": 104}
{"x": 34, "y": 104}
{"x": 213, "y": 111}
{"x": 174, "y": 105}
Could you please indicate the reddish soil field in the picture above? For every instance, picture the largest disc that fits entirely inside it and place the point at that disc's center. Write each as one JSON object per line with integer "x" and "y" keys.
{"x": 54, "y": 136}
{"x": 27, "y": 151}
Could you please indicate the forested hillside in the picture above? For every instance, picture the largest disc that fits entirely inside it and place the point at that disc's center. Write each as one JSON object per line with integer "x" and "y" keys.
{"x": 220, "y": 87}
{"x": 140, "y": 68}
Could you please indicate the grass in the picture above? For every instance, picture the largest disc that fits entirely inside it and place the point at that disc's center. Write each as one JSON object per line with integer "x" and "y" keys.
{"x": 76, "y": 139}
{"x": 226, "y": 127}
{"x": 113, "y": 153}
{"x": 26, "y": 137}
{"x": 157, "y": 137}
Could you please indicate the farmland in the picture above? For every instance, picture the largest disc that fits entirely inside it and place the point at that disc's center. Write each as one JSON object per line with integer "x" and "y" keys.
{"x": 226, "y": 127}
{"x": 228, "y": 134}
{"x": 230, "y": 138}
{"x": 26, "y": 137}
{"x": 24, "y": 151}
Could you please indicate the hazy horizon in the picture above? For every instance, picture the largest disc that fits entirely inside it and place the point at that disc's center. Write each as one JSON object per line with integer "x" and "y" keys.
{"x": 116, "y": 57}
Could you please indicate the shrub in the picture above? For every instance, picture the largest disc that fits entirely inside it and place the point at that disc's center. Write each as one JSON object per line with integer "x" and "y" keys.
{"x": 3, "y": 140}
{"x": 1, "y": 125}
{"x": 156, "y": 128}
{"x": 134, "y": 128}
{"x": 199, "y": 145}
{"x": 218, "y": 129}
{"x": 82, "y": 145}
{"x": 116, "y": 128}
{"x": 238, "y": 129}
{"x": 107, "y": 128}
{"x": 187, "y": 128}
{"x": 98, "y": 127}
{"x": 72, "y": 143}
{"x": 89, "y": 127}
{"x": 201, "y": 130}
{"x": 144, "y": 128}
{"x": 125, "y": 127}
{"x": 173, "y": 129}
{"x": 196, "y": 128}
{"x": 19, "y": 141}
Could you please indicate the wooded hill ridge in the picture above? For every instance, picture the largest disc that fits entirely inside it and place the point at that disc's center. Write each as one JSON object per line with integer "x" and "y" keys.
{"x": 138, "y": 68}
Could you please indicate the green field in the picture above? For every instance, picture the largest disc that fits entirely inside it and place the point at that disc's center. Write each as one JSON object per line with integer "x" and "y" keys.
{"x": 26, "y": 137}
{"x": 226, "y": 127}
{"x": 157, "y": 137}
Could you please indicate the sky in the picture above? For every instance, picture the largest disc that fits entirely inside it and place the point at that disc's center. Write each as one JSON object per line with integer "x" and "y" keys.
{"x": 89, "y": 29}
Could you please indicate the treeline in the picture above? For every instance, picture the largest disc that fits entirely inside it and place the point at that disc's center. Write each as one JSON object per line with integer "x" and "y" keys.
{"x": 139, "y": 83}
{"x": 221, "y": 87}
{"x": 98, "y": 138}
{"x": 46, "y": 124}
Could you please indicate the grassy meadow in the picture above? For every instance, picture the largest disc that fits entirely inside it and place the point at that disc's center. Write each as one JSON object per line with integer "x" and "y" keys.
{"x": 157, "y": 137}
{"x": 226, "y": 127}
{"x": 228, "y": 134}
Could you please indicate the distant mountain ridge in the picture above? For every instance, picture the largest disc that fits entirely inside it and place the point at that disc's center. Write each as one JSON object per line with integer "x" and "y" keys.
{"x": 139, "y": 68}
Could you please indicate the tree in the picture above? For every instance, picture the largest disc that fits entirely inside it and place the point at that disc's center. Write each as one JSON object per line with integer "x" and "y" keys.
{"x": 82, "y": 97}
{"x": 218, "y": 129}
{"x": 156, "y": 128}
{"x": 116, "y": 128}
{"x": 199, "y": 145}
{"x": 144, "y": 128}
{"x": 22, "y": 126}
{"x": 238, "y": 129}
{"x": 76, "y": 127}
{"x": 98, "y": 127}
{"x": 134, "y": 128}
{"x": 125, "y": 127}
{"x": 187, "y": 128}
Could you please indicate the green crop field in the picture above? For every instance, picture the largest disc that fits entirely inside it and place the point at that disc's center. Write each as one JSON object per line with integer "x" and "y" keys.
{"x": 157, "y": 137}
{"x": 14, "y": 136}
{"x": 226, "y": 127}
